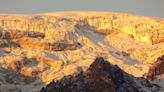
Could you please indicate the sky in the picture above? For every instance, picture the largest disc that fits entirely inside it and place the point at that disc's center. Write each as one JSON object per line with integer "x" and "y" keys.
{"x": 140, "y": 7}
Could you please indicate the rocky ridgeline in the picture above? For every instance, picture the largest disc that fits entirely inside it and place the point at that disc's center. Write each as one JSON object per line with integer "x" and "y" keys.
{"x": 101, "y": 76}
{"x": 32, "y": 39}
{"x": 156, "y": 69}
{"x": 144, "y": 29}
{"x": 141, "y": 29}
{"x": 30, "y": 23}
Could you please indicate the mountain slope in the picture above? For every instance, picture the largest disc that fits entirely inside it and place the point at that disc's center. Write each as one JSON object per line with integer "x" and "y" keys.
{"x": 46, "y": 47}
{"x": 101, "y": 76}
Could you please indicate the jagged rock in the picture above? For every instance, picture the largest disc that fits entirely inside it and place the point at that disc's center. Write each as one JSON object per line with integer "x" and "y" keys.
{"x": 101, "y": 76}
{"x": 156, "y": 69}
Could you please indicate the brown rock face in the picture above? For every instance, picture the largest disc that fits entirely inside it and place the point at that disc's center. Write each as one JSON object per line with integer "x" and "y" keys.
{"x": 97, "y": 76}
{"x": 45, "y": 45}
{"x": 101, "y": 76}
{"x": 157, "y": 69}
{"x": 32, "y": 39}
{"x": 19, "y": 34}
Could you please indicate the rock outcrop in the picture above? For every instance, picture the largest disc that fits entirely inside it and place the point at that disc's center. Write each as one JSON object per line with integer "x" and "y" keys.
{"x": 45, "y": 45}
{"x": 156, "y": 69}
{"x": 20, "y": 34}
{"x": 32, "y": 39}
{"x": 101, "y": 76}
{"x": 139, "y": 29}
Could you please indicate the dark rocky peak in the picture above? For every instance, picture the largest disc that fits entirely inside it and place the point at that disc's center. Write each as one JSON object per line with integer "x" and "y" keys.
{"x": 101, "y": 76}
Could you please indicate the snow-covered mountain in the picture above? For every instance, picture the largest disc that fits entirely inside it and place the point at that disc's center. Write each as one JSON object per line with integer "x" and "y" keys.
{"x": 36, "y": 49}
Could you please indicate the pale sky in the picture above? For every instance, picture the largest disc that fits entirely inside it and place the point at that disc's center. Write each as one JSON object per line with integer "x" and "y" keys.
{"x": 140, "y": 7}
